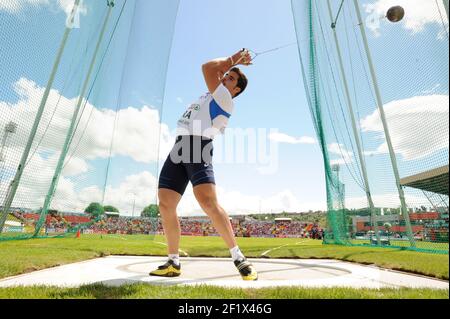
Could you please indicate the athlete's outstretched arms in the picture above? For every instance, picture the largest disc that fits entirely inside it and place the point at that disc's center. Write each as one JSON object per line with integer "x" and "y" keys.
{"x": 214, "y": 70}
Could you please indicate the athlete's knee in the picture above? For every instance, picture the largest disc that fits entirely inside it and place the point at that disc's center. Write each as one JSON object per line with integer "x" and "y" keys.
{"x": 169, "y": 217}
{"x": 211, "y": 206}
{"x": 166, "y": 208}
{"x": 167, "y": 202}
{"x": 206, "y": 200}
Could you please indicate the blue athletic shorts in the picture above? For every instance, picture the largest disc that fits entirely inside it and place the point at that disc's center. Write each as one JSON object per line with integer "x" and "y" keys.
{"x": 189, "y": 160}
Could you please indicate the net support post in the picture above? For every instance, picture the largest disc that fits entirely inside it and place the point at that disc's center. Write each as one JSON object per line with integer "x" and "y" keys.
{"x": 354, "y": 127}
{"x": 385, "y": 126}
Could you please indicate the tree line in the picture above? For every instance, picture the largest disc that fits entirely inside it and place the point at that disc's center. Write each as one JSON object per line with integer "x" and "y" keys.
{"x": 96, "y": 210}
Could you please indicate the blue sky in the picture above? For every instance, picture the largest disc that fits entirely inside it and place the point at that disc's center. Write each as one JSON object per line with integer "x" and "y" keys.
{"x": 149, "y": 48}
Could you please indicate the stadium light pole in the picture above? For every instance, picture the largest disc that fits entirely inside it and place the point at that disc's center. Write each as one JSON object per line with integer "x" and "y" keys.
{"x": 355, "y": 129}
{"x": 10, "y": 128}
{"x": 65, "y": 148}
{"x": 15, "y": 182}
{"x": 341, "y": 190}
{"x": 385, "y": 126}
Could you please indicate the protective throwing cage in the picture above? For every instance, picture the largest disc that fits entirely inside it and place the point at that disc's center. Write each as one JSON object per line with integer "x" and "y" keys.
{"x": 377, "y": 90}
{"x": 378, "y": 94}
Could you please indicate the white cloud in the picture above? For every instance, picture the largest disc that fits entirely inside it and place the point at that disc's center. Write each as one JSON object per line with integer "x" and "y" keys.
{"x": 284, "y": 138}
{"x": 35, "y": 181}
{"x": 138, "y": 190}
{"x": 419, "y": 126}
{"x": 418, "y": 14}
{"x": 67, "y": 6}
{"x": 135, "y": 191}
{"x": 75, "y": 167}
{"x": 339, "y": 162}
{"x": 345, "y": 157}
{"x": 136, "y": 136}
{"x": 391, "y": 200}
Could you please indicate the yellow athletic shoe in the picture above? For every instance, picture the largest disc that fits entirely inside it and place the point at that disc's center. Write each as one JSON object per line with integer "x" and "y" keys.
{"x": 169, "y": 269}
{"x": 246, "y": 269}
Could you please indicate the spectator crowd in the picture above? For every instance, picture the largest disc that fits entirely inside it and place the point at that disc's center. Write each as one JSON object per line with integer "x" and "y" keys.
{"x": 58, "y": 223}
{"x": 251, "y": 228}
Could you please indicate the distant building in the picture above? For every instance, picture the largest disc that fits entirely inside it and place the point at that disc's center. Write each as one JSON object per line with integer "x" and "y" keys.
{"x": 112, "y": 214}
{"x": 13, "y": 225}
{"x": 419, "y": 222}
{"x": 279, "y": 220}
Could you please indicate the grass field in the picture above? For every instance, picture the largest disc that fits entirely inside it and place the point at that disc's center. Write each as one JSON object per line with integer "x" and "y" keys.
{"x": 17, "y": 257}
{"x": 144, "y": 291}
{"x": 425, "y": 245}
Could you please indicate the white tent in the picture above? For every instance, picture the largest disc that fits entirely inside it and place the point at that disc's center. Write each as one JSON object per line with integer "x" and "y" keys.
{"x": 13, "y": 223}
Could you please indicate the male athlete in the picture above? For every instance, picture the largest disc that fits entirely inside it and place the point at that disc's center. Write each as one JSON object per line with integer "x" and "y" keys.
{"x": 191, "y": 160}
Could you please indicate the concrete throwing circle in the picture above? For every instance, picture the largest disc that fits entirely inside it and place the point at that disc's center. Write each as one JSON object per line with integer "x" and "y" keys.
{"x": 213, "y": 269}
{"x": 119, "y": 270}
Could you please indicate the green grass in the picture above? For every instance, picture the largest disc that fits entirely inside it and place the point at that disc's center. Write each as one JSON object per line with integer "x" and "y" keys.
{"x": 145, "y": 291}
{"x": 17, "y": 257}
{"x": 22, "y": 256}
{"x": 425, "y": 245}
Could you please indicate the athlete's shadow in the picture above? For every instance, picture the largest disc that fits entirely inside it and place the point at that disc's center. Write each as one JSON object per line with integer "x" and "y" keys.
{"x": 99, "y": 290}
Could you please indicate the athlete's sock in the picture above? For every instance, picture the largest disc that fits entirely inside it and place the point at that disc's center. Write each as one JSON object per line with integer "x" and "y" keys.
{"x": 236, "y": 253}
{"x": 175, "y": 258}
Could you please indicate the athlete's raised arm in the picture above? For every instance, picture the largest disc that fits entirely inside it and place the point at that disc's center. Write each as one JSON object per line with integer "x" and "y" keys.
{"x": 214, "y": 70}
